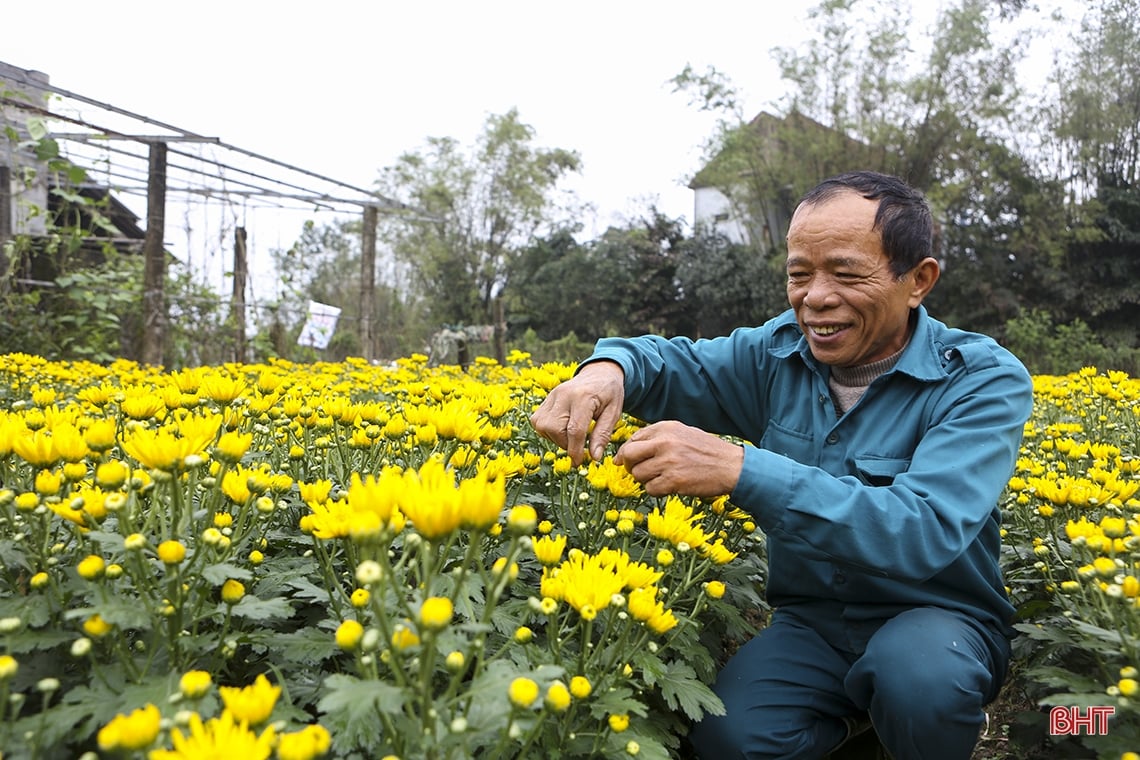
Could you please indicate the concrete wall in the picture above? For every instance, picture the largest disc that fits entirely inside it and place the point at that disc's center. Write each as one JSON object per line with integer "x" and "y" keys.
{"x": 24, "y": 196}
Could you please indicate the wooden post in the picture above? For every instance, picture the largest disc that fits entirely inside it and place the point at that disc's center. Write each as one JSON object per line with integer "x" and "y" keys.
{"x": 154, "y": 256}
{"x": 500, "y": 332}
{"x": 368, "y": 282}
{"x": 237, "y": 303}
{"x": 5, "y": 224}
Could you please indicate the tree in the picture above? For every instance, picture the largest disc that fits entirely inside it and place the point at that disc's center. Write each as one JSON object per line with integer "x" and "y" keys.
{"x": 725, "y": 286}
{"x": 324, "y": 266}
{"x": 480, "y": 209}
{"x": 1096, "y": 117}
{"x": 561, "y": 287}
{"x": 622, "y": 283}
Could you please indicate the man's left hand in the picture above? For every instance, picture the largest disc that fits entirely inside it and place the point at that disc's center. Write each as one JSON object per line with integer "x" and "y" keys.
{"x": 672, "y": 458}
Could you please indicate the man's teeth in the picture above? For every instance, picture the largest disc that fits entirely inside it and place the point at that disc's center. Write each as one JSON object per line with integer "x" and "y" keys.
{"x": 829, "y": 330}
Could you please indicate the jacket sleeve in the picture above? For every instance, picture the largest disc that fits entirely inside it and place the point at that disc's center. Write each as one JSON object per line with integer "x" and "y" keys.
{"x": 930, "y": 513}
{"x": 709, "y": 383}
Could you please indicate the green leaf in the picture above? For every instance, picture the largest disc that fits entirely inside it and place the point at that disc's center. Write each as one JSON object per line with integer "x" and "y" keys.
{"x": 681, "y": 688}
{"x": 220, "y": 572}
{"x": 1078, "y": 700}
{"x": 37, "y": 128}
{"x": 34, "y": 610}
{"x": 307, "y": 645}
{"x": 352, "y": 707}
{"x": 252, "y": 608}
{"x": 122, "y": 611}
{"x": 648, "y": 748}
{"x": 304, "y": 589}
{"x": 618, "y": 700}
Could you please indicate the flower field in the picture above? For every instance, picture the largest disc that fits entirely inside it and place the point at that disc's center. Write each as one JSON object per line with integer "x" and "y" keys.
{"x": 343, "y": 560}
{"x": 1072, "y": 543}
{"x": 302, "y": 561}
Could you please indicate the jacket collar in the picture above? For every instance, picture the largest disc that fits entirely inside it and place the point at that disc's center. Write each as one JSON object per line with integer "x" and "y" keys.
{"x": 921, "y": 359}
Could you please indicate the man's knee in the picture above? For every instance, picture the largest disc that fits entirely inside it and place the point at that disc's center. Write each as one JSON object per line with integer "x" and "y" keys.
{"x": 933, "y": 653}
{"x": 925, "y": 678}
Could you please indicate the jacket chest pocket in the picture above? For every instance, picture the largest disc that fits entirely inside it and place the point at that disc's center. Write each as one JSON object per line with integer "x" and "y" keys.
{"x": 790, "y": 443}
{"x": 880, "y": 471}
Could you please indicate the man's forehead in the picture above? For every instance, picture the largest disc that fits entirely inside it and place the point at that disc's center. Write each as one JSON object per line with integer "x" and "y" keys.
{"x": 835, "y": 260}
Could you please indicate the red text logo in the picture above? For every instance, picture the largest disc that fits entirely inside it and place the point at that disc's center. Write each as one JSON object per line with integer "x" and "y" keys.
{"x": 1069, "y": 721}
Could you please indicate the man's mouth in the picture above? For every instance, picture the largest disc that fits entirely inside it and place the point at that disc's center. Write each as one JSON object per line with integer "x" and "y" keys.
{"x": 825, "y": 330}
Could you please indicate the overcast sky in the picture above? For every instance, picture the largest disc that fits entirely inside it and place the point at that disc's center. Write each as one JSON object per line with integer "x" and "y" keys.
{"x": 343, "y": 88}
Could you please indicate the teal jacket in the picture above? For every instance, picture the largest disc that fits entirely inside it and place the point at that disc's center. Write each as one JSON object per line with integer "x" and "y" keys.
{"x": 891, "y": 506}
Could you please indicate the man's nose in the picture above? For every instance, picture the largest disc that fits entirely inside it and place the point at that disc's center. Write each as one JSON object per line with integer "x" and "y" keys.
{"x": 819, "y": 293}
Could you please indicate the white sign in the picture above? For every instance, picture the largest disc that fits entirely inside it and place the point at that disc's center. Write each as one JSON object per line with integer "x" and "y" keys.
{"x": 320, "y": 325}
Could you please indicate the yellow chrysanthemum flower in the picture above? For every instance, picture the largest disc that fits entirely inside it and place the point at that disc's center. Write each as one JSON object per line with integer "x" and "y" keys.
{"x": 430, "y": 499}
{"x": 618, "y": 722}
{"x": 557, "y": 697}
{"x": 171, "y": 552}
{"x": 522, "y": 692}
{"x": 307, "y": 744}
{"x": 232, "y": 591}
{"x": 194, "y": 684}
{"x": 548, "y": 549}
{"x": 715, "y": 589}
{"x": 37, "y": 448}
{"x": 435, "y": 613}
{"x": 607, "y": 476}
{"x": 224, "y": 736}
{"x": 8, "y": 667}
{"x": 96, "y": 627}
{"x": 678, "y": 524}
{"x": 348, "y": 634}
{"x": 132, "y": 732}
{"x": 91, "y": 567}
{"x": 251, "y": 704}
{"x": 232, "y": 446}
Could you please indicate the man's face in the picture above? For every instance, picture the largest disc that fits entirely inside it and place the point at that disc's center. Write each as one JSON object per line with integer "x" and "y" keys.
{"x": 846, "y": 299}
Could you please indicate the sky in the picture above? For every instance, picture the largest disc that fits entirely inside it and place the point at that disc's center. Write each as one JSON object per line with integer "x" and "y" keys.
{"x": 343, "y": 88}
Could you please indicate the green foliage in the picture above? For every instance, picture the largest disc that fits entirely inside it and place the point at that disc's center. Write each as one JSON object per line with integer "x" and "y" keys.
{"x": 1048, "y": 348}
{"x": 726, "y": 286}
{"x": 479, "y": 207}
{"x": 81, "y": 317}
{"x": 567, "y": 349}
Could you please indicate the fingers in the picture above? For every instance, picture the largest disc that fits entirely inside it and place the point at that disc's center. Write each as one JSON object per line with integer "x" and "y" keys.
{"x": 593, "y": 397}
{"x": 603, "y": 431}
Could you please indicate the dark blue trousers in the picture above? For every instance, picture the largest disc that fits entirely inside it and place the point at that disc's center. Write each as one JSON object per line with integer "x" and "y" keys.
{"x": 923, "y": 676}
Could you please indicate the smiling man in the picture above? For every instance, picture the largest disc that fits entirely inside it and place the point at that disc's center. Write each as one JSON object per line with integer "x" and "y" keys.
{"x": 882, "y": 441}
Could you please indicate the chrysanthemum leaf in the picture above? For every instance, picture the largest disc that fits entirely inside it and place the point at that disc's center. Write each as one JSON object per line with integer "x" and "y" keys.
{"x": 252, "y": 608}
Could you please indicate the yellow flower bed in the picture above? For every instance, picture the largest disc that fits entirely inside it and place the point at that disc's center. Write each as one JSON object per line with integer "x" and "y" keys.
{"x": 300, "y": 561}
{"x": 1073, "y": 550}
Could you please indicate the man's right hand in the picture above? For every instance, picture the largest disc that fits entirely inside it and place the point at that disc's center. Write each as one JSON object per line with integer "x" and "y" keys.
{"x": 594, "y": 395}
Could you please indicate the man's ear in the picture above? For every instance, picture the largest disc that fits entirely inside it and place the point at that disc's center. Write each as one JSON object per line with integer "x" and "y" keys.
{"x": 923, "y": 278}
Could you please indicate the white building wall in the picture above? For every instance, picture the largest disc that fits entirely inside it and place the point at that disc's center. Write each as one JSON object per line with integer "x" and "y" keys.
{"x": 28, "y": 183}
{"x": 713, "y": 210}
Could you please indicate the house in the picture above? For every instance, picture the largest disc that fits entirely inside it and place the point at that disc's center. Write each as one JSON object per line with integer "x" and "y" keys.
{"x": 750, "y": 188}
{"x": 41, "y": 192}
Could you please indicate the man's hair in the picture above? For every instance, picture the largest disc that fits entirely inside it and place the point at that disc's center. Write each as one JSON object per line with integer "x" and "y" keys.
{"x": 903, "y": 218}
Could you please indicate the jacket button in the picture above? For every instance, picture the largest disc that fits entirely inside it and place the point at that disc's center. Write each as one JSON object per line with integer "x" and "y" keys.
{"x": 833, "y": 438}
